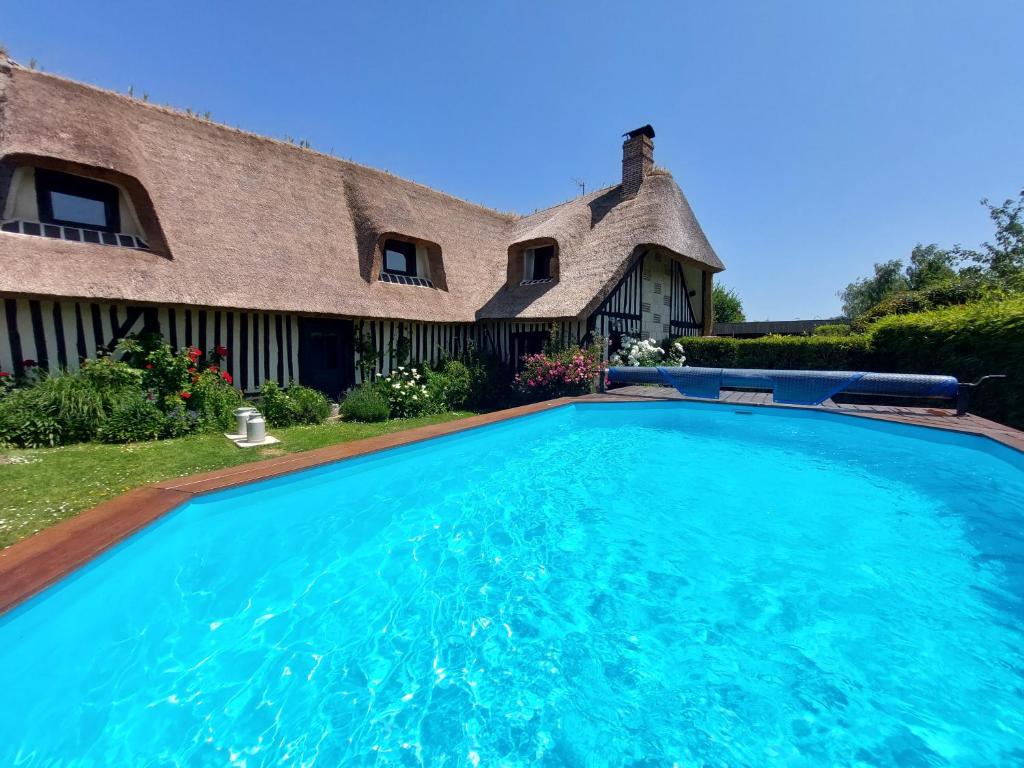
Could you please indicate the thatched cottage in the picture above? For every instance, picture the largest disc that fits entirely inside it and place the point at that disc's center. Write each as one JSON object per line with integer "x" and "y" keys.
{"x": 117, "y": 216}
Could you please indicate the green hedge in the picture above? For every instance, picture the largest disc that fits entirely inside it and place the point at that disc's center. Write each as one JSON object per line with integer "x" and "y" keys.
{"x": 785, "y": 352}
{"x": 966, "y": 341}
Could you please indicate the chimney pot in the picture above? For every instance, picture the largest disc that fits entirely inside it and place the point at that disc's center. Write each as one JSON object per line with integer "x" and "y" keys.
{"x": 637, "y": 159}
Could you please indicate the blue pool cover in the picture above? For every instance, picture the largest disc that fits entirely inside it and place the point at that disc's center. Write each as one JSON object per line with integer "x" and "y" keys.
{"x": 791, "y": 387}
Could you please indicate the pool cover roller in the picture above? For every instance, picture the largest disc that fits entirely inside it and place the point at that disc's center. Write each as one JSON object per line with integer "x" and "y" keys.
{"x": 790, "y": 387}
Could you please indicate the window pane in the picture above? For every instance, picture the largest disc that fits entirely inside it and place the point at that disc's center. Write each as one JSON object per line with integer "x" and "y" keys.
{"x": 395, "y": 262}
{"x": 81, "y": 210}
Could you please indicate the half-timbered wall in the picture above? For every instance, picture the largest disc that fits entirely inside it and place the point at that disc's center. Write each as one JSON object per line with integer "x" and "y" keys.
{"x": 427, "y": 342}
{"x": 652, "y": 300}
{"x": 57, "y": 335}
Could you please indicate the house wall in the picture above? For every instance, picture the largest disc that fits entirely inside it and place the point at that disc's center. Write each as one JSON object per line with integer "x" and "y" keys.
{"x": 58, "y": 334}
{"x": 652, "y": 300}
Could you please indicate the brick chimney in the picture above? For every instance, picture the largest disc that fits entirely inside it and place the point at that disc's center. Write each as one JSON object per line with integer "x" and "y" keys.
{"x": 637, "y": 159}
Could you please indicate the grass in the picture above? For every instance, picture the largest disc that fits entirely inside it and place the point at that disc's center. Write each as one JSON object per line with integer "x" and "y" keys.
{"x": 41, "y": 487}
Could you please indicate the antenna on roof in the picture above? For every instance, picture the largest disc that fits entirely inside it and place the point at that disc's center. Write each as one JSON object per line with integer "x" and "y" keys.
{"x": 581, "y": 184}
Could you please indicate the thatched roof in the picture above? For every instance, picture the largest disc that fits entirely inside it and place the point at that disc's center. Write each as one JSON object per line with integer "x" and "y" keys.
{"x": 238, "y": 220}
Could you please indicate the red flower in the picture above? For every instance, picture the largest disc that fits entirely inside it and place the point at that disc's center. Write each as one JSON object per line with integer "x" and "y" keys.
{"x": 221, "y": 350}
{"x": 4, "y": 375}
{"x": 191, "y": 370}
{"x": 194, "y": 353}
{"x": 149, "y": 365}
{"x": 227, "y": 377}
{"x": 186, "y": 395}
{"x": 213, "y": 368}
{"x": 28, "y": 363}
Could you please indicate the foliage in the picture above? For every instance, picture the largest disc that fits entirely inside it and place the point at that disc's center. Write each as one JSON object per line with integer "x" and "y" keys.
{"x": 68, "y": 408}
{"x": 365, "y": 403}
{"x": 450, "y": 387}
{"x": 860, "y": 295}
{"x": 1005, "y": 258}
{"x": 213, "y": 401}
{"x": 406, "y": 391}
{"x": 7, "y": 383}
{"x": 929, "y": 265}
{"x": 309, "y": 406}
{"x": 188, "y": 379}
{"x": 998, "y": 265}
{"x": 366, "y": 356}
{"x": 966, "y": 341}
{"x": 647, "y": 353}
{"x": 832, "y": 329}
{"x": 959, "y": 290}
{"x": 572, "y": 371}
{"x": 782, "y": 352}
{"x": 133, "y": 420}
{"x": 294, "y": 404}
{"x": 727, "y": 305}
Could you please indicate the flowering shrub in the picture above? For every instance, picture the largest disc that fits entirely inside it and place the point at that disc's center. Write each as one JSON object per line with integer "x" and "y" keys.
{"x": 405, "y": 389}
{"x": 570, "y": 371}
{"x": 6, "y": 383}
{"x": 647, "y": 353}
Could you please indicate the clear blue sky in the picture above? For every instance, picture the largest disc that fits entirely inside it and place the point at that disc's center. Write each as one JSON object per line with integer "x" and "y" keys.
{"x": 812, "y": 138}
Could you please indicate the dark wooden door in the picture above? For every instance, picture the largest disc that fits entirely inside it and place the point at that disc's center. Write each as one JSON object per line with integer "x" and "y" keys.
{"x": 527, "y": 343}
{"x": 326, "y": 355}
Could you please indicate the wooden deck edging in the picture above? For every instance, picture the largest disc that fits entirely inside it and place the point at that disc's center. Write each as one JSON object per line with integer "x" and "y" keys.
{"x": 33, "y": 564}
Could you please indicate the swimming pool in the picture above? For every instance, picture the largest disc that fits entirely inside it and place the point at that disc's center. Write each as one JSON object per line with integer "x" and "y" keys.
{"x": 597, "y": 584}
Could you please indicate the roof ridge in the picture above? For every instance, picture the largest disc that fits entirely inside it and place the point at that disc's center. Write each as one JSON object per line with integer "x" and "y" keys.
{"x": 176, "y": 112}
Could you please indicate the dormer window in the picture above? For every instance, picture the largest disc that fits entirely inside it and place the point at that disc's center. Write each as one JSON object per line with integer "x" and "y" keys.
{"x": 537, "y": 264}
{"x": 400, "y": 258}
{"x": 409, "y": 262}
{"x": 46, "y": 203}
{"x": 73, "y": 201}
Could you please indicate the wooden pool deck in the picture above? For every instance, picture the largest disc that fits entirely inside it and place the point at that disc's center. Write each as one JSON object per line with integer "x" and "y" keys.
{"x": 938, "y": 418}
{"x": 31, "y": 565}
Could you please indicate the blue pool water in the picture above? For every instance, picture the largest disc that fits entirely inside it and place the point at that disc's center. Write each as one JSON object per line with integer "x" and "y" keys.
{"x": 597, "y": 585}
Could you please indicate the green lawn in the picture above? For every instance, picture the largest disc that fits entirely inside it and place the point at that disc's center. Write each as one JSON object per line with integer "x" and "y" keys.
{"x": 41, "y": 487}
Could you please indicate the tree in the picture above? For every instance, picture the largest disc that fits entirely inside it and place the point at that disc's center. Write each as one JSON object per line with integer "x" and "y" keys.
{"x": 1005, "y": 259}
{"x": 861, "y": 295}
{"x": 728, "y": 307}
{"x": 930, "y": 265}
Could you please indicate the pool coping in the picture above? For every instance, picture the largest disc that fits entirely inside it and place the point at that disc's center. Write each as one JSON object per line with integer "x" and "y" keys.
{"x": 29, "y": 566}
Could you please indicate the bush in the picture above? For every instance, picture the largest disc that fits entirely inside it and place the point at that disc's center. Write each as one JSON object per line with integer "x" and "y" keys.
{"x": 57, "y": 410}
{"x": 836, "y": 353}
{"x": 213, "y": 400}
{"x": 964, "y": 341}
{"x": 406, "y": 391}
{"x": 832, "y": 329}
{"x": 308, "y": 405}
{"x": 648, "y": 353}
{"x": 365, "y": 403}
{"x": 133, "y": 420}
{"x": 451, "y": 387}
{"x": 294, "y": 405}
{"x": 571, "y": 371}
{"x": 955, "y": 292}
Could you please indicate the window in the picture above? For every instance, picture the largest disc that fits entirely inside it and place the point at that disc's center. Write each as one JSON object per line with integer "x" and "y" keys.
{"x": 77, "y": 202}
{"x": 537, "y": 263}
{"x": 400, "y": 258}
